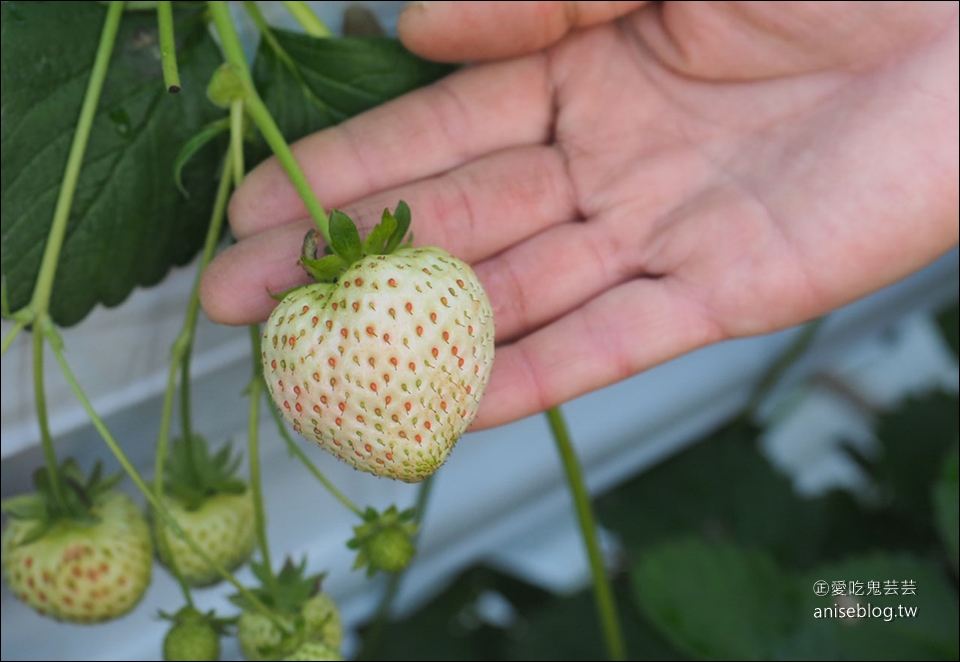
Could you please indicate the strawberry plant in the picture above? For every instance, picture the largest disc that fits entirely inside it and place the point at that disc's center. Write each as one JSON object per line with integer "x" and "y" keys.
{"x": 123, "y": 133}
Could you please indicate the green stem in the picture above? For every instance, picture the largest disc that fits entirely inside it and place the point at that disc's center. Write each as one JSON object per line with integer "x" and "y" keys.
{"x": 160, "y": 463}
{"x": 256, "y": 483}
{"x": 236, "y": 141}
{"x": 183, "y": 344}
{"x": 372, "y": 642}
{"x": 11, "y": 336}
{"x": 186, "y": 422}
{"x": 310, "y": 22}
{"x": 56, "y": 344}
{"x": 163, "y": 438}
{"x": 606, "y": 605}
{"x": 311, "y": 467}
{"x": 46, "y": 439}
{"x": 264, "y": 120}
{"x": 180, "y": 361}
{"x": 253, "y": 11}
{"x": 168, "y": 47}
{"x": 48, "y": 267}
{"x": 775, "y": 372}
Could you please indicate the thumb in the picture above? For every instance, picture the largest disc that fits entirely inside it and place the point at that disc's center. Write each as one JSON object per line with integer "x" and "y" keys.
{"x": 462, "y": 31}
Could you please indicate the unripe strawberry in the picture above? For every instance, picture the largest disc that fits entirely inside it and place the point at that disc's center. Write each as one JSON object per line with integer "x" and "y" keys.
{"x": 222, "y": 525}
{"x": 87, "y": 564}
{"x": 299, "y": 613}
{"x": 313, "y": 650}
{"x": 385, "y": 367}
{"x": 260, "y": 638}
{"x": 193, "y": 636}
{"x": 211, "y": 504}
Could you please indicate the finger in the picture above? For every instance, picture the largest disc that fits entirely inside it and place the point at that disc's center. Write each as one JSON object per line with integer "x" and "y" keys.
{"x": 626, "y": 330}
{"x": 236, "y": 287}
{"x": 471, "y": 31}
{"x": 484, "y": 206}
{"x": 551, "y": 274}
{"x": 469, "y": 114}
{"x": 473, "y": 211}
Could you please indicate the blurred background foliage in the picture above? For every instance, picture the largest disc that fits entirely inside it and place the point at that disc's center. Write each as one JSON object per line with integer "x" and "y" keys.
{"x": 718, "y": 556}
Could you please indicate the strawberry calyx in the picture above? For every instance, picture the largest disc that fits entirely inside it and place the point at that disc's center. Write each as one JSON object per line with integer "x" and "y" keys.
{"x": 192, "y": 474}
{"x": 287, "y": 591}
{"x": 43, "y": 510}
{"x": 385, "y": 541}
{"x": 346, "y": 248}
{"x": 288, "y": 595}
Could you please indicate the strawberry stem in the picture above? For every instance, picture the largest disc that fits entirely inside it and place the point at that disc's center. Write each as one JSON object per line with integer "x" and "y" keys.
{"x": 186, "y": 424}
{"x": 772, "y": 375}
{"x": 236, "y": 141}
{"x": 253, "y": 452}
{"x": 180, "y": 361}
{"x": 606, "y": 605}
{"x": 168, "y": 47}
{"x": 40, "y": 301}
{"x": 182, "y": 346}
{"x": 40, "y": 402}
{"x": 253, "y": 11}
{"x": 263, "y": 119}
{"x": 312, "y": 24}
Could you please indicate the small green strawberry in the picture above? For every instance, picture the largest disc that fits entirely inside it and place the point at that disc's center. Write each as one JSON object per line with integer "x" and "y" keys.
{"x": 385, "y": 366}
{"x": 295, "y": 600}
{"x": 384, "y": 541}
{"x": 84, "y": 559}
{"x": 313, "y": 650}
{"x": 212, "y": 506}
{"x": 193, "y": 635}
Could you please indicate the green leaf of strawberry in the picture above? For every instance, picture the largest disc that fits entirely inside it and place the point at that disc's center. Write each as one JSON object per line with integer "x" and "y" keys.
{"x": 402, "y": 217}
{"x": 376, "y": 241}
{"x": 384, "y": 364}
{"x": 344, "y": 238}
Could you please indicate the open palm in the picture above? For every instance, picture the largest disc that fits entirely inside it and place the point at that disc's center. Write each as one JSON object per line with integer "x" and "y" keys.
{"x": 637, "y": 188}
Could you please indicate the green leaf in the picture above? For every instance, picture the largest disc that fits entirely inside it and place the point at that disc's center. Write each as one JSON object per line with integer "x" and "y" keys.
{"x": 721, "y": 489}
{"x": 946, "y": 503}
{"x": 402, "y": 216}
{"x": 325, "y": 270}
{"x": 949, "y": 323}
{"x": 5, "y": 311}
{"x": 317, "y": 83}
{"x": 715, "y": 601}
{"x": 207, "y": 133}
{"x": 377, "y": 239}
{"x": 25, "y": 506}
{"x": 915, "y": 438}
{"x": 129, "y": 224}
{"x": 890, "y": 632}
{"x": 344, "y": 237}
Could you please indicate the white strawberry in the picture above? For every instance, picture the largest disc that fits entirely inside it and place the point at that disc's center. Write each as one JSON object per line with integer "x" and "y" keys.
{"x": 385, "y": 367}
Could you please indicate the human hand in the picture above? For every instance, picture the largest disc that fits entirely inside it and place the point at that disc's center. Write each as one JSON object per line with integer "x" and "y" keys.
{"x": 632, "y": 182}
